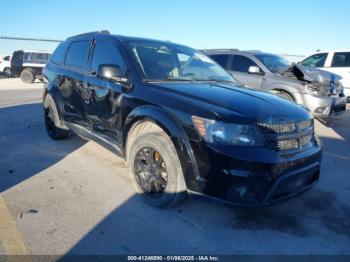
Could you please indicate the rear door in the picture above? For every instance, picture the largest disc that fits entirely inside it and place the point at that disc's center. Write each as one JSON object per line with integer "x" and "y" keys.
{"x": 103, "y": 111}
{"x": 74, "y": 92}
{"x": 239, "y": 68}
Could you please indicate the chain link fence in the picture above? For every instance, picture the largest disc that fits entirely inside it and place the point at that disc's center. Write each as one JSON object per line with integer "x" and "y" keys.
{"x": 24, "y": 57}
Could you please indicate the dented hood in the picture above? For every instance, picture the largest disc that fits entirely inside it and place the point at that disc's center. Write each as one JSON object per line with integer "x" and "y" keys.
{"x": 314, "y": 75}
{"x": 321, "y": 76}
{"x": 323, "y": 82}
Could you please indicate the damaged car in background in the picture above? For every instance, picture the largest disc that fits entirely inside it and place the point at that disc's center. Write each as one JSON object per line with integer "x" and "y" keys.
{"x": 319, "y": 91}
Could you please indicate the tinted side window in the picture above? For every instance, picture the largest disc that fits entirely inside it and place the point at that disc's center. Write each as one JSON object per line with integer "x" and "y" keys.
{"x": 241, "y": 63}
{"x": 40, "y": 58}
{"x": 59, "y": 54}
{"x": 317, "y": 60}
{"x": 77, "y": 54}
{"x": 341, "y": 59}
{"x": 106, "y": 53}
{"x": 220, "y": 59}
{"x": 7, "y": 58}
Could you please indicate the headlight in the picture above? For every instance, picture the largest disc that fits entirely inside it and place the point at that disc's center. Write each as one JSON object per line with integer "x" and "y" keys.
{"x": 226, "y": 133}
{"x": 315, "y": 89}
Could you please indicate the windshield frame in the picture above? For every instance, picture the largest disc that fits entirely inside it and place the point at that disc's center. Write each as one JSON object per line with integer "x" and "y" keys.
{"x": 226, "y": 77}
{"x": 259, "y": 57}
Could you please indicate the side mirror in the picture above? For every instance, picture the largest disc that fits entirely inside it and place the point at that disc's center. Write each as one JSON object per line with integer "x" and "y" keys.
{"x": 254, "y": 70}
{"x": 111, "y": 72}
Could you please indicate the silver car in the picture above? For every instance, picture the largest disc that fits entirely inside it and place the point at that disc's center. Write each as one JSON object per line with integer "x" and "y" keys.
{"x": 319, "y": 91}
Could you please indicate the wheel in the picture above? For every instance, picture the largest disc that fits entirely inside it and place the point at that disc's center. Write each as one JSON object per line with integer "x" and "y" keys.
{"x": 156, "y": 171}
{"x": 7, "y": 72}
{"x": 285, "y": 95}
{"x": 27, "y": 76}
{"x": 52, "y": 130}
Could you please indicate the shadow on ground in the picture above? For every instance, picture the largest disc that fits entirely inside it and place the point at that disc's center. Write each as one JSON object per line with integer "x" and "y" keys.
{"x": 315, "y": 223}
{"x": 25, "y": 148}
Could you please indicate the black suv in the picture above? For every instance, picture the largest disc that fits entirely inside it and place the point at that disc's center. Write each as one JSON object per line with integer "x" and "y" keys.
{"x": 180, "y": 121}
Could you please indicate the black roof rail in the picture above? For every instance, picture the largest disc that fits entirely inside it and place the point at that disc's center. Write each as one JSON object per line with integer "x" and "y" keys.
{"x": 220, "y": 50}
{"x": 252, "y": 51}
{"x": 103, "y": 32}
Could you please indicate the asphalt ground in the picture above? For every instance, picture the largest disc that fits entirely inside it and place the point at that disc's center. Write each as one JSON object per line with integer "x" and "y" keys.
{"x": 75, "y": 197}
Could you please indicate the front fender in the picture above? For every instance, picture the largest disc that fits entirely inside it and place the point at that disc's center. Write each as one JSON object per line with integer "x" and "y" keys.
{"x": 176, "y": 133}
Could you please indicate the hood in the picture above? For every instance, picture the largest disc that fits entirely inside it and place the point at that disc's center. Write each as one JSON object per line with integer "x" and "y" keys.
{"x": 326, "y": 82}
{"x": 229, "y": 102}
{"x": 317, "y": 75}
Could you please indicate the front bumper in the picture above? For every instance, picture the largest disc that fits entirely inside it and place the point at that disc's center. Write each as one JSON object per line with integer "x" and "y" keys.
{"x": 256, "y": 177}
{"x": 325, "y": 106}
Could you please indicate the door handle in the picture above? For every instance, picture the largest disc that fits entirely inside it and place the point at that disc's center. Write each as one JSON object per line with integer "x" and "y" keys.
{"x": 92, "y": 73}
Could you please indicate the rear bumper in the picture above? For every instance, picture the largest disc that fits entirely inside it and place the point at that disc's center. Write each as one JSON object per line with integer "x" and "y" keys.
{"x": 261, "y": 181}
{"x": 325, "y": 106}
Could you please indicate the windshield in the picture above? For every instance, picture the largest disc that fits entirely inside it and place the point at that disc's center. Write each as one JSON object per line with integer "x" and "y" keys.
{"x": 169, "y": 62}
{"x": 274, "y": 63}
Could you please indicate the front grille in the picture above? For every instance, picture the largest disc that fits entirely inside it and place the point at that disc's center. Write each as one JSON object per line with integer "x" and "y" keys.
{"x": 288, "y": 136}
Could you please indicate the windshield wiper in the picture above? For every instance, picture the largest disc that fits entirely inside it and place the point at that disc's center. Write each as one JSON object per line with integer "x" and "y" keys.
{"x": 180, "y": 78}
{"x": 221, "y": 80}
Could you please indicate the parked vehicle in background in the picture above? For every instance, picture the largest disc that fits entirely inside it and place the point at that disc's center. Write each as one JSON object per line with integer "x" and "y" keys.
{"x": 337, "y": 62}
{"x": 29, "y": 64}
{"x": 5, "y": 65}
{"x": 319, "y": 91}
{"x": 180, "y": 121}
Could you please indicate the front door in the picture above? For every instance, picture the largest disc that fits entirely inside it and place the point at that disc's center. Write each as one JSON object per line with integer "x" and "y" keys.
{"x": 103, "y": 112}
{"x": 239, "y": 68}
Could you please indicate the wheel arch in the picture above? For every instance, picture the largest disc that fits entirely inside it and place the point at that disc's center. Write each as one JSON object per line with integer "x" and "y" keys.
{"x": 48, "y": 100}
{"x": 290, "y": 90}
{"x": 175, "y": 132}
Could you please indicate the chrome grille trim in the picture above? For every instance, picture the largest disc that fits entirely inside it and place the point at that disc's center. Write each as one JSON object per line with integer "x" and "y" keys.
{"x": 278, "y": 128}
{"x": 288, "y": 136}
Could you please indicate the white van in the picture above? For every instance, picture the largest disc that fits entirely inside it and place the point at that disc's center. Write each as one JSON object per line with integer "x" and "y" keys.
{"x": 337, "y": 62}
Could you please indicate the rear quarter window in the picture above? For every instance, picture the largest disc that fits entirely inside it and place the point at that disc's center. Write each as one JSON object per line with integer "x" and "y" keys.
{"x": 341, "y": 59}
{"x": 59, "y": 54}
{"x": 77, "y": 54}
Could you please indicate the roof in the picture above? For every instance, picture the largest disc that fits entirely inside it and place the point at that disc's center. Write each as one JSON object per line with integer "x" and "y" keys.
{"x": 333, "y": 50}
{"x": 121, "y": 37}
{"x": 234, "y": 51}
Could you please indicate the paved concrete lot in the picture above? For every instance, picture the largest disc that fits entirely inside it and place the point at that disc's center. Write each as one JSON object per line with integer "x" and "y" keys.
{"x": 75, "y": 197}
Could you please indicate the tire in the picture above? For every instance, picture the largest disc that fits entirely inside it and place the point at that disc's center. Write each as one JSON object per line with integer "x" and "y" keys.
{"x": 7, "y": 72}
{"x": 52, "y": 130}
{"x": 175, "y": 189}
{"x": 27, "y": 76}
{"x": 285, "y": 95}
